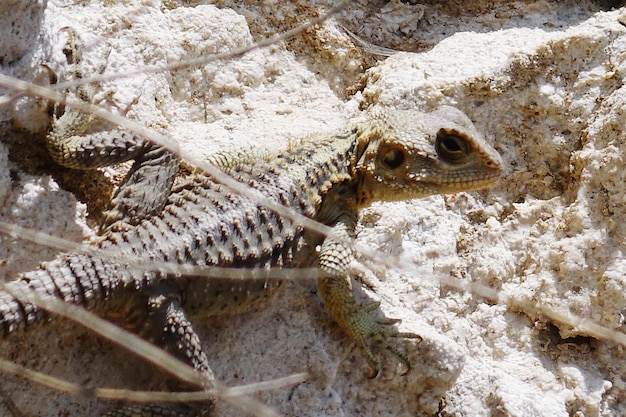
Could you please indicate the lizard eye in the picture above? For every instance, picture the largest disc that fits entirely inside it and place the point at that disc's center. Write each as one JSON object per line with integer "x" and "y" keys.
{"x": 393, "y": 158}
{"x": 451, "y": 147}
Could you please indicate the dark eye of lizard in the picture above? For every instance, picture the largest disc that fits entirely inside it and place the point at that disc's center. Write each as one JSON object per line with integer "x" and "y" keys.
{"x": 393, "y": 158}
{"x": 451, "y": 147}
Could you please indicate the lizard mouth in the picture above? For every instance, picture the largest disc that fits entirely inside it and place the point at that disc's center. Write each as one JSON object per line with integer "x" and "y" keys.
{"x": 467, "y": 181}
{"x": 423, "y": 187}
{"x": 448, "y": 187}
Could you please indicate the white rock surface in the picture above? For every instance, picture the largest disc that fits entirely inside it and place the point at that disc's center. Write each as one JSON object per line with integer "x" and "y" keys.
{"x": 542, "y": 80}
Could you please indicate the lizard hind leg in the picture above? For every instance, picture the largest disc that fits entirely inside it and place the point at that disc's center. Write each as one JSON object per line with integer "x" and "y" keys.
{"x": 160, "y": 319}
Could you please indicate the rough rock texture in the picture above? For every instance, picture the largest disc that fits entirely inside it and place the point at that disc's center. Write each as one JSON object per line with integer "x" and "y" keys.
{"x": 542, "y": 80}
{"x": 20, "y": 21}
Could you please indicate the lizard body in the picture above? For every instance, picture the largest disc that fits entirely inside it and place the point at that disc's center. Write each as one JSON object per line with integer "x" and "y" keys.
{"x": 388, "y": 156}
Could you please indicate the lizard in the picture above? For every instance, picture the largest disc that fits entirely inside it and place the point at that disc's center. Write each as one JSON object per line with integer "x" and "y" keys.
{"x": 387, "y": 156}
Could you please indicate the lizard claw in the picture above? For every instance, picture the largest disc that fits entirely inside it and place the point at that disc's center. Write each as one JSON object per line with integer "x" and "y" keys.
{"x": 359, "y": 322}
{"x": 377, "y": 328}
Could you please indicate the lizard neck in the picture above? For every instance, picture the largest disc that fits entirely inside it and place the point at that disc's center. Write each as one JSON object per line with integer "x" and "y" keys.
{"x": 323, "y": 163}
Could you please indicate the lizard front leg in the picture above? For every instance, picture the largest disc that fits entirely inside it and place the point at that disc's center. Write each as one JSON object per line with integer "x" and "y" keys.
{"x": 335, "y": 286}
{"x": 148, "y": 183}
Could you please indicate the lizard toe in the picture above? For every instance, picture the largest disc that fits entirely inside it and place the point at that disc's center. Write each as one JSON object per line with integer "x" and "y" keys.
{"x": 370, "y": 327}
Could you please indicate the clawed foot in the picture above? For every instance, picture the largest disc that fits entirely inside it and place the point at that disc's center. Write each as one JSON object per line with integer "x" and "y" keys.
{"x": 380, "y": 329}
{"x": 359, "y": 322}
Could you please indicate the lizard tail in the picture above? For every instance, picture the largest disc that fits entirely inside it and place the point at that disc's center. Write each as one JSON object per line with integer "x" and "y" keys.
{"x": 79, "y": 279}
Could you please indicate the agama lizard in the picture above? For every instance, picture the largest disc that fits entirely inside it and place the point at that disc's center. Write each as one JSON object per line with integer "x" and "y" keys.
{"x": 393, "y": 155}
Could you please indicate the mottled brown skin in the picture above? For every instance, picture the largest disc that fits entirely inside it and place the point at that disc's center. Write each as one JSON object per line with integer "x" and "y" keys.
{"x": 397, "y": 155}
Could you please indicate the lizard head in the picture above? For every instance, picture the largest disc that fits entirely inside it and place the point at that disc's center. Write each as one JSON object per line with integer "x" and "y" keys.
{"x": 409, "y": 154}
